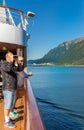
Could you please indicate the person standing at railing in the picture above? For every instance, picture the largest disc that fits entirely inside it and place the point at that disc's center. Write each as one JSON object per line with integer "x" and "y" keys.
{"x": 9, "y": 79}
{"x": 21, "y": 74}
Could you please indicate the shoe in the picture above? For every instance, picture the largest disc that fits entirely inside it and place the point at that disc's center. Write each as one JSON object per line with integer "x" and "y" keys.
{"x": 9, "y": 124}
{"x": 15, "y": 111}
{"x": 13, "y": 115}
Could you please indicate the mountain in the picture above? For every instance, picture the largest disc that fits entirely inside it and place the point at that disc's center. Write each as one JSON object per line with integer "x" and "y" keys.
{"x": 67, "y": 53}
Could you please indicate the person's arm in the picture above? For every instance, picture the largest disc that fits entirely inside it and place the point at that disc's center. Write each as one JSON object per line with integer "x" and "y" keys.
{"x": 28, "y": 73}
{"x": 6, "y": 66}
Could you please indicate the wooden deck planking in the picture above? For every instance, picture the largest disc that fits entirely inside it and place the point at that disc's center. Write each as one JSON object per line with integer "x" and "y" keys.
{"x": 19, "y": 122}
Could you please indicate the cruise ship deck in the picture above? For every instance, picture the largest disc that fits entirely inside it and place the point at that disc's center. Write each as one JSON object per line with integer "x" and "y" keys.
{"x": 14, "y": 38}
{"x": 18, "y": 122}
{"x": 29, "y": 115}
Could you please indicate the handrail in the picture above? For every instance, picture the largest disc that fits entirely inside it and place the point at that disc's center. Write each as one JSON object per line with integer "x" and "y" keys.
{"x": 26, "y": 107}
{"x": 13, "y": 9}
{"x": 32, "y": 118}
{"x": 13, "y": 16}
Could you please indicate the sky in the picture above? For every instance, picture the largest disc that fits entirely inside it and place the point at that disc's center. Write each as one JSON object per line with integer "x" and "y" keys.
{"x": 56, "y": 21}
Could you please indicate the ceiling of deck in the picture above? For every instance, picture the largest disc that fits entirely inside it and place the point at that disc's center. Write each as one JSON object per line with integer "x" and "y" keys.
{"x": 8, "y": 46}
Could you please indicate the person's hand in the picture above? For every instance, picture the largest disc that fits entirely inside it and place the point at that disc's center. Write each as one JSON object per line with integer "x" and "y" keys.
{"x": 30, "y": 74}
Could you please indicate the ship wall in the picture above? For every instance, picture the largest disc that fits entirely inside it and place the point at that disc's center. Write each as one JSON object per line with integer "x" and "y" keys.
{"x": 12, "y": 34}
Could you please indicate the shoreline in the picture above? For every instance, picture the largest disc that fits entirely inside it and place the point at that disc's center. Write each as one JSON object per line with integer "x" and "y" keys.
{"x": 56, "y": 65}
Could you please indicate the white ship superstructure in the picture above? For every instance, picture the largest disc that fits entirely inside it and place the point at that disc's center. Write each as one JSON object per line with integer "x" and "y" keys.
{"x": 13, "y": 24}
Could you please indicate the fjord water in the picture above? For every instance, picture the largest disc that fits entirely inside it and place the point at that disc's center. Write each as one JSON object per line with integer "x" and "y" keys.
{"x": 59, "y": 91}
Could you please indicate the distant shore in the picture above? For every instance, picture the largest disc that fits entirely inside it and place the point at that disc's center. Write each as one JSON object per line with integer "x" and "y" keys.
{"x": 51, "y": 64}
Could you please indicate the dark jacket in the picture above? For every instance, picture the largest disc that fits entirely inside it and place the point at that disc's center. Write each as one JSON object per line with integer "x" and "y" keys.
{"x": 9, "y": 75}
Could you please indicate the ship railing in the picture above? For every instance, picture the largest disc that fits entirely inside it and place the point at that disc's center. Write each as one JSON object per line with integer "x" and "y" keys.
{"x": 13, "y": 17}
{"x": 32, "y": 116}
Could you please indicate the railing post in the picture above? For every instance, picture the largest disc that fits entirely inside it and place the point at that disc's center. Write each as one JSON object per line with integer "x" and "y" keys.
{"x": 26, "y": 108}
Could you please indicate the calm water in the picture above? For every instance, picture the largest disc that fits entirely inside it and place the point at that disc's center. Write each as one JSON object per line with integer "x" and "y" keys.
{"x": 59, "y": 92}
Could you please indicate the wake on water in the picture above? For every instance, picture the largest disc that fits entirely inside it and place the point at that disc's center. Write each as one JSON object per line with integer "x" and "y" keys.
{"x": 58, "y": 117}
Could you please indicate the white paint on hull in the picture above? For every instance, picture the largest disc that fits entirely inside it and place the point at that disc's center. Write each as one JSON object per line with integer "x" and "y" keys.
{"x": 12, "y": 34}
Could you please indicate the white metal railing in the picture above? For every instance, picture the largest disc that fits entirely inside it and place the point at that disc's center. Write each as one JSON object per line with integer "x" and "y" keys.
{"x": 13, "y": 17}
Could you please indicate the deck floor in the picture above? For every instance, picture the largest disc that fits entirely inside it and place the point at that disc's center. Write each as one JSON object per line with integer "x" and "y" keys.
{"x": 19, "y": 123}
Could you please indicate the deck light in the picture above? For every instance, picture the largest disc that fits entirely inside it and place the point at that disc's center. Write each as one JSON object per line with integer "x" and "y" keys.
{"x": 30, "y": 14}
